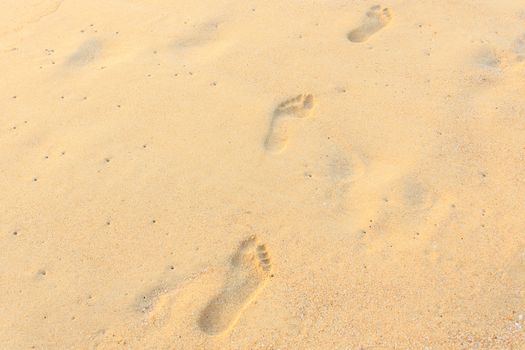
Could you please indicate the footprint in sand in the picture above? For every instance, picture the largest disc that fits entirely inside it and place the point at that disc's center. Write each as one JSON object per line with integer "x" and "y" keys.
{"x": 300, "y": 106}
{"x": 519, "y": 47}
{"x": 249, "y": 271}
{"x": 376, "y": 18}
{"x": 85, "y": 53}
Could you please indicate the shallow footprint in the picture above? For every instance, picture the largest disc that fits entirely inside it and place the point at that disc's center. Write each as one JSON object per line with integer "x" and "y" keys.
{"x": 519, "y": 47}
{"x": 249, "y": 271}
{"x": 376, "y": 18}
{"x": 86, "y": 53}
{"x": 300, "y": 106}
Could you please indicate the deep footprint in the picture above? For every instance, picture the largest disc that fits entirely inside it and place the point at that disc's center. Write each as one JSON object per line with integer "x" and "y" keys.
{"x": 249, "y": 271}
{"x": 376, "y": 18}
{"x": 279, "y": 132}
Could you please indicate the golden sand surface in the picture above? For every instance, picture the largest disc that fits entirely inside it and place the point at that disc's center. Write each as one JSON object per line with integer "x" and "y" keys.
{"x": 233, "y": 174}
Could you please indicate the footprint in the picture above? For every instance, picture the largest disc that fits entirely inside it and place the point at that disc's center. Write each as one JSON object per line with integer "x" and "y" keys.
{"x": 249, "y": 271}
{"x": 204, "y": 43}
{"x": 376, "y": 18}
{"x": 300, "y": 106}
{"x": 202, "y": 35}
{"x": 519, "y": 47}
{"x": 86, "y": 53}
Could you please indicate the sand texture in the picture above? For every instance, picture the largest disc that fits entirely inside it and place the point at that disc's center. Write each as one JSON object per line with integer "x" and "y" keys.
{"x": 262, "y": 175}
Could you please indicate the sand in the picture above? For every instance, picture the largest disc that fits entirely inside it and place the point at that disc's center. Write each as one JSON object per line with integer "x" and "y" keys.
{"x": 262, "y": 174}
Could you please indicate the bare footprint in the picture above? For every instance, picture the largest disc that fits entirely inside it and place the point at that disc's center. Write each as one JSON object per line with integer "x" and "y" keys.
{"x": 300, "y": 106}
{"x": 376, "y": 18}
{"x": 249, "y": 271}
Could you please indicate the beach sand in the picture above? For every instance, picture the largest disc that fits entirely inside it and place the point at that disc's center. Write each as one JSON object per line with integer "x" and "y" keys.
{"x": 262, "y": 174}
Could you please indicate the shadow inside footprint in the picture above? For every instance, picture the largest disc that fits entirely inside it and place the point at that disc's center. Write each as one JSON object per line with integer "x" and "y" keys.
{"x": 250, "y": 268}
{"x": 376, "y": 18}
{"x": 300, "y": 106}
